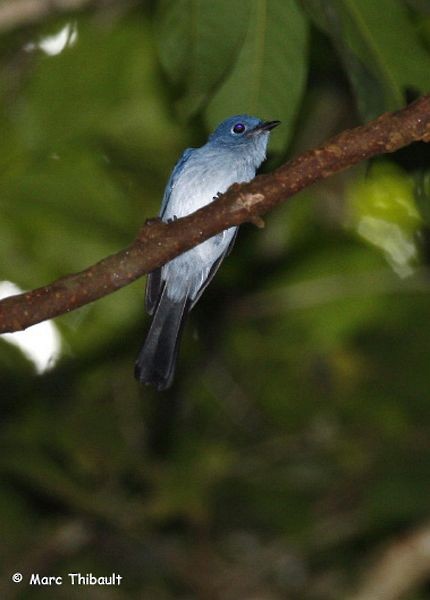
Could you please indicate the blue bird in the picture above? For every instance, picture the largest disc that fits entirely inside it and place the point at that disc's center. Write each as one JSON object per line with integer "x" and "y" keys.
{"x": 232, "y": 154}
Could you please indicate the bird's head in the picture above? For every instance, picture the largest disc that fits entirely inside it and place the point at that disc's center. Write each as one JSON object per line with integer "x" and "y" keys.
{"x": 242, "y": 130}
{"x": 245, "y": 134}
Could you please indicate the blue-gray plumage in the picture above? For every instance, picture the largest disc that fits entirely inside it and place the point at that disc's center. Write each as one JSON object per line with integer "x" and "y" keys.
{"x": 232, "y": 154}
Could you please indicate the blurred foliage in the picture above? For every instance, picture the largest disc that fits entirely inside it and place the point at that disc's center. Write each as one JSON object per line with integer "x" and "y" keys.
{"x": 295, "y": 440}
{"x": 385, "y": 213}
{"x": 379, "y": 48}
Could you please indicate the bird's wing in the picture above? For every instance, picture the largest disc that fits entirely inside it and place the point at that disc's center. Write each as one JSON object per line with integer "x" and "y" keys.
{"x": 214, "y": 268}
{"x": 154, "y": 288}
{"x": 173, "y": 177}
{"x": 154, "y": 284}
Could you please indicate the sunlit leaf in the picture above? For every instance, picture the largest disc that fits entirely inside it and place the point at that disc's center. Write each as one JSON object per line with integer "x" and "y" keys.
{"x": 383, "y": 212}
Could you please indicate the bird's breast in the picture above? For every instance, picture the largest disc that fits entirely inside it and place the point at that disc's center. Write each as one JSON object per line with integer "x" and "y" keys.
{"x": 201, "y": 180}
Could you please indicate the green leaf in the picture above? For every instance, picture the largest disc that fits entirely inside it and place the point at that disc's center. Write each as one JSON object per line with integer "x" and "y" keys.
{"x": 174, "y": 40}
{"x": 268, "y": 77}
{"x": 198, "y": 42}
{"x": 380, "y": 50}
{"x": 367, "y": 85}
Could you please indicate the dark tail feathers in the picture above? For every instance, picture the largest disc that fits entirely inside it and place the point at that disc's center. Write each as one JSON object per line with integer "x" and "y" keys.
{"x": 157, "y": 358}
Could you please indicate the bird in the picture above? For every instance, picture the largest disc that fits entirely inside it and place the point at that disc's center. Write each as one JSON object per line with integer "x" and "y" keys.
{"x": 232, "y": 154}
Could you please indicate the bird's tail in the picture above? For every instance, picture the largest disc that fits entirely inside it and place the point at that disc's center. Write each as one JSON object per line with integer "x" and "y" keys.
{"x": 156, "y": 361}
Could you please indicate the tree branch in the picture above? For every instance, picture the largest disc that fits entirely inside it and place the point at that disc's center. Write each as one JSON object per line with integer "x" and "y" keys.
{"x": 159, "y": 242}
{"x": 27, "y": 12}
{"x": 23, "y": 13}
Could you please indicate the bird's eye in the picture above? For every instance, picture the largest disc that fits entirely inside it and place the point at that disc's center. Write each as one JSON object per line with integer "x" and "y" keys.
{"x": 239, "y": 128}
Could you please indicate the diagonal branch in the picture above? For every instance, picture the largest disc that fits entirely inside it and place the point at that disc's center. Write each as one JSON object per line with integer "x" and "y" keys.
{"x": 159, "y": 242}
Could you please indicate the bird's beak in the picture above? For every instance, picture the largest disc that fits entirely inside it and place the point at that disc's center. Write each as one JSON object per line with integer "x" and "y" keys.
{"x": 265, "y": 126}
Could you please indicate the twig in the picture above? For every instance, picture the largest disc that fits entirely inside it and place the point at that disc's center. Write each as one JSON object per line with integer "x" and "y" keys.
{"x": 159, "y": 242}
{"x": 401, "y": 568}
{"x": 22, "y": 13}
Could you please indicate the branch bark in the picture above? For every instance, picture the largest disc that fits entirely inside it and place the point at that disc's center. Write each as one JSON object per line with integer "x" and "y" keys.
{"x": 158, "y": 242}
